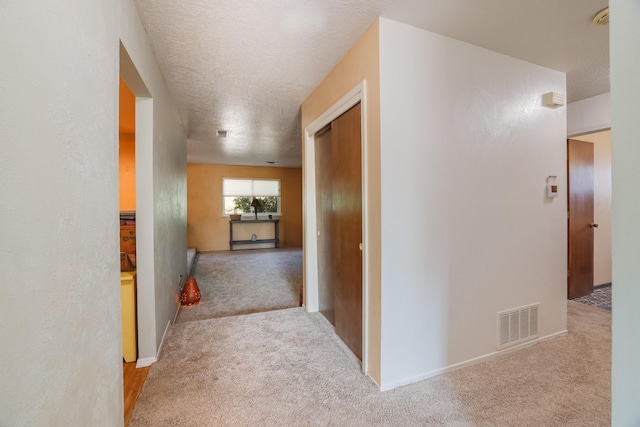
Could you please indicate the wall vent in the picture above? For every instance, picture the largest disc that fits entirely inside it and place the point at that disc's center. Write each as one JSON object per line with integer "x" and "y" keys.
{"x": 517, "y": 325}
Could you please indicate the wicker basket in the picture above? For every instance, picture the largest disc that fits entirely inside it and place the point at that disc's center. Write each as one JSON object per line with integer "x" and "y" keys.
{"x": 235, "y": 217}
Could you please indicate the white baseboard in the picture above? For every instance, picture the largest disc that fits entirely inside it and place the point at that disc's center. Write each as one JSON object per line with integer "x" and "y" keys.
{"x": 162, "y": 340}
{"x": 175, "y": 316}
{"x": 147, "y": 361}
{"x": 436, "y": 372}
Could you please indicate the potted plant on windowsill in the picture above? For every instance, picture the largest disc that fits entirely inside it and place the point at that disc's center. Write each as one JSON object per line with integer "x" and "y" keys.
{"x": 235, "y": 216}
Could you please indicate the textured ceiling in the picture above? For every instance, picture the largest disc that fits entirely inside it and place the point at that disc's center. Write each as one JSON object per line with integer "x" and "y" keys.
{"x": 246, "y": 66}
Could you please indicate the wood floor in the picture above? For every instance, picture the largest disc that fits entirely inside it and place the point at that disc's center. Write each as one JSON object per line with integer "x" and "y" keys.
{"x": 133, "y": 380}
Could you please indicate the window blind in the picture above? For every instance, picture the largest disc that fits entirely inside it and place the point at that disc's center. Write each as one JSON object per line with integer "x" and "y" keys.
{"x": 250, "y": 187}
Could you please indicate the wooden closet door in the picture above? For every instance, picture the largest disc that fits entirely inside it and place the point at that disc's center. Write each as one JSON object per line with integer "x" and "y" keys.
{"x": 346, "y": 233}
{"x": 324, "y": 214}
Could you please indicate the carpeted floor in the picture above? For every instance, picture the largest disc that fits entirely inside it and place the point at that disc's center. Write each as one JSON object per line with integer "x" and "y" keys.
{"x": 287, "y": 368}
{"x": 243, "y": 282}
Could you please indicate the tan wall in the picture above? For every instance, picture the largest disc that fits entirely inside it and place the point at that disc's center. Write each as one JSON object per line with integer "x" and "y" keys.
{"x": 208, "y": 229}
{"x": 127, "y": 166}
{"x": 127, "y": 152}
{"x": 362, "y": 62}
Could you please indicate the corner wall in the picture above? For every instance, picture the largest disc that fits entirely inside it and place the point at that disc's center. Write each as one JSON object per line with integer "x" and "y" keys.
{"x": 467, "y": 231}
{"x": 208, "y": 230}
{"x": 60, "y": 327}
{"x": 61, "y": 357}
{"x": 625, "y": 96}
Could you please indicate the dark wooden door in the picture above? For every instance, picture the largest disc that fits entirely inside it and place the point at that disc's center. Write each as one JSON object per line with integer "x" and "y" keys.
{"x": 324, "y": 214}
{"x": 581, "y": 226}
{"x": 346, "y": 233}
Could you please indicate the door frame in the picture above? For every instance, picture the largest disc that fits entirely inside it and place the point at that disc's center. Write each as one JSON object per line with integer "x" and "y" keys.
{"x": 586, "y": 129}
{"x": 148, "y": 348}
{"x": 309, "y": 224}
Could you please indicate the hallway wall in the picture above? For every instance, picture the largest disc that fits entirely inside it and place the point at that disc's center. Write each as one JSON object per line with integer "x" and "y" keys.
{"x": 60, "y": 327}
{"x": 467, "y": 232}
{"x": 61, "y": 353}
{"x": 161, "y": 189}
{"x": 625, "y": 96}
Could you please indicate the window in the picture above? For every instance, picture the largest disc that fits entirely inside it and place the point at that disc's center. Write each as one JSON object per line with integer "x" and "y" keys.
{"x": 238, "y": 193}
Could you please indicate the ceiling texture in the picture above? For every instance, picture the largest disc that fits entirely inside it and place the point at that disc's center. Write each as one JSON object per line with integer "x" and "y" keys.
{"x": 246, "y": 66}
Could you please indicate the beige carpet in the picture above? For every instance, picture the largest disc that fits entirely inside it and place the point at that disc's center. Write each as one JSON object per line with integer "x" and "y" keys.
{"x": 287, "y": 368}
{"x": 243, "y": 282}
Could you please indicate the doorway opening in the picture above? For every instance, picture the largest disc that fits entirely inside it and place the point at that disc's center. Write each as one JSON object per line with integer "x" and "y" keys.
{"x": 136, "y": 203}
{"x": 589, "y": 219}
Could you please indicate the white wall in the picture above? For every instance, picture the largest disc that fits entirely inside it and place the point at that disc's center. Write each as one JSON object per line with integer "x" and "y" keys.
{"x": 589, "y": 115}
{"x": 60, "y": 357}
{"x": 601, "y": 204}
{"x": 625, "y": 95}
{"x": 466, "y": 148}
{"x": 60, "y": 327}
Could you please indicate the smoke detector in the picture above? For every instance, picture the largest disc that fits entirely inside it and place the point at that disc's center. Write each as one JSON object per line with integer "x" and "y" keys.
{"x": 602, "y": 17}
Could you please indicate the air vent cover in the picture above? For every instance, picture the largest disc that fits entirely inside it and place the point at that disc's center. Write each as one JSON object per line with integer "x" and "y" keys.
{"x": 517, "y": 325}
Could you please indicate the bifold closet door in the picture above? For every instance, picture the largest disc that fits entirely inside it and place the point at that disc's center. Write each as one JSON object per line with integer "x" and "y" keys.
{"x": 324, "y": 214}
{"x": 346, "y": 222}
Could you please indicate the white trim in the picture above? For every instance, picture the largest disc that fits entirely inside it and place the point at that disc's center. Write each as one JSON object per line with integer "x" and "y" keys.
{"x": 147, "y": 361}
{"x": 180, "y": 286}
{"x": 310, "y": 241}
{"x": 175, "y": 316}
{"x": 145, "y": 261}
{"x": 451, "y": 368}
{"x": 365, "y": 229}
{"x": 162, "y": 340}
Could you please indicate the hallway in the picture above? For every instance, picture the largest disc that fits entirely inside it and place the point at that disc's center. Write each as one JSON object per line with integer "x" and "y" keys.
{"x": 242, "y": 282}
{"x": 287, "y": 367}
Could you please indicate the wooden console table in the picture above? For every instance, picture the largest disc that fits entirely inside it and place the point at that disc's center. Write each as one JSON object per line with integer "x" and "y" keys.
{"x": 275, "y": 240}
